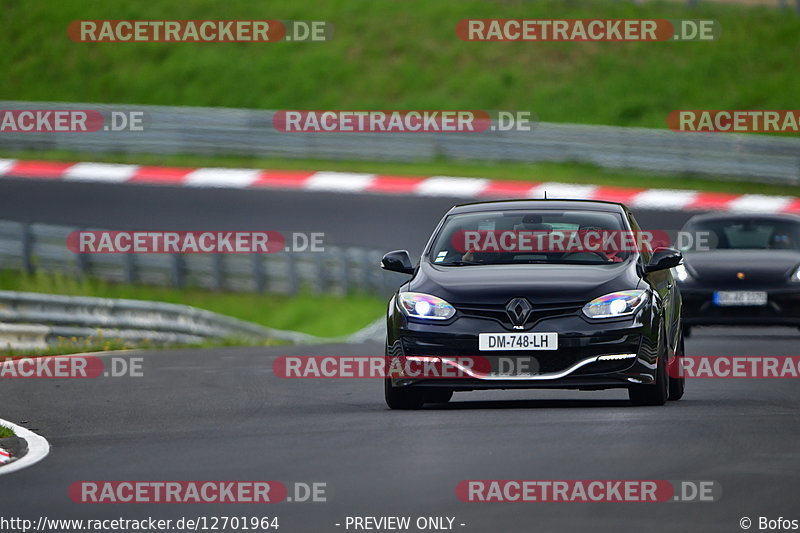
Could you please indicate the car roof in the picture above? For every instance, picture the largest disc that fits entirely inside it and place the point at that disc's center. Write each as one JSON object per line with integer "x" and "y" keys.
{"x": 580, "y": 205}
{"x": 745, "y": 216}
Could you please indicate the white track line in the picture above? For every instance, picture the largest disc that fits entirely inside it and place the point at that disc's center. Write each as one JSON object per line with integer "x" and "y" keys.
{"x": 759, "y": 203}
{"x": 100, "y": 172}
{"x": 564, "y": 190}
{"x": 233, "y": 178}
{"x": 38, "y": 448}
{"x": 451, "y": 186}
{"x": 6, "y": 165}
{"x": 339, "y": 181}
{"x": 669, "y": 199}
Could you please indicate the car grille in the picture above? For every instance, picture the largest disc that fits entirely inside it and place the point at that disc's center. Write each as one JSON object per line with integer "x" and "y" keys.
{"x": 498, "y": 312}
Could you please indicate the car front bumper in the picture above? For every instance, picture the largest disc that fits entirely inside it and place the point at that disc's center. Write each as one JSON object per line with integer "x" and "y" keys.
{"x": 605, "y": 354}
{"x": 782, "y": 309}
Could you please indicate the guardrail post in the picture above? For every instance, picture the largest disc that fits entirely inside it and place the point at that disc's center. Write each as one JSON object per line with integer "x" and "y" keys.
{"x": 319, "y": 264}
{"x": 259, "y": 278}
{"x": 797, "y": 176}
{"x": 291, "y": 267}
{"x": 129, "y": 268}
{"x": 26, "y": 238}
{"x": 178, "y": 278}
{"x": 218, "y": 272}
{"x": 82, "y": 262}
{"x": 366, "y": 271}
{"x": 344, "y": 270}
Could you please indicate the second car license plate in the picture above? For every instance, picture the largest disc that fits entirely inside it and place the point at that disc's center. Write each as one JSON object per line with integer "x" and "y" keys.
{"x": 517, "y": 341}
{"x": 740, "y": 298}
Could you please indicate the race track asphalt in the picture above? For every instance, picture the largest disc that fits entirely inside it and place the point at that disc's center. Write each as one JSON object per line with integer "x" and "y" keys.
{"x": 220, "y": 414}
{"x": 367, "y": 220}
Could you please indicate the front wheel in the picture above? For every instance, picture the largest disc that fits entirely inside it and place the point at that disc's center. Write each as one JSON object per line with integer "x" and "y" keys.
{"x": 677, "y": 385}
{"x": 402, "y": 398}
{"x": 656, "y": 393}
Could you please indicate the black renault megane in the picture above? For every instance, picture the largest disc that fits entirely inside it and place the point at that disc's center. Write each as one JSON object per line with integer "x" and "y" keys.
{"x": 538, "y": 291}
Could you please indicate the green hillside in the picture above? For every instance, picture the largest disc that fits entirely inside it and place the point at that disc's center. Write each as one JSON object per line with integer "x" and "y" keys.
{"x": 406, "y": 55}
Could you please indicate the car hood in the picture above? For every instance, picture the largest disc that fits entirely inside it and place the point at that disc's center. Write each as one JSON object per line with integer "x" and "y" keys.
{"x": 757, "y": 266}
{"x": 497, "y": 284}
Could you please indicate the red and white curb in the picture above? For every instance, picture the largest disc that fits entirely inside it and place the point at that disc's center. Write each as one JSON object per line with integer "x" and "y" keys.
{"x": 350, "y": 182}
{"x": 38, "y": 448}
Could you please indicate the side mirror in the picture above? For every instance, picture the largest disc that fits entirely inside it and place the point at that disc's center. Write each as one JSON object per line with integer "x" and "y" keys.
{"x": 664, "y": 258}
{"x": 397, "y": 261}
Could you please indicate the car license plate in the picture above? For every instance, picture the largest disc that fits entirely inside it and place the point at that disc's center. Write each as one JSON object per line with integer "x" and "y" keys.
{"x": 517, "y": 341}
{"x": 740, "y": 298}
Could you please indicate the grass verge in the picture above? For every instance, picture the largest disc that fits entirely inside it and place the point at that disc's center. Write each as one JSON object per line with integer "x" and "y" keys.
{"x": 6, "y": 432}
{"x": 406, "y": 55}
{"x": 67, "y": 346}
{"x": 317, "y": 314}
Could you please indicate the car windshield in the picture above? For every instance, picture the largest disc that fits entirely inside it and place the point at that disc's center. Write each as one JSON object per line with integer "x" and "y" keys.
{"x": 529, "y": 237}
{"x": 741, "y": 234}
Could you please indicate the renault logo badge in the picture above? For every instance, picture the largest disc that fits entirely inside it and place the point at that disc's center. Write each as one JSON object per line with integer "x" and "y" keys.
{"x": 518, "y": 310}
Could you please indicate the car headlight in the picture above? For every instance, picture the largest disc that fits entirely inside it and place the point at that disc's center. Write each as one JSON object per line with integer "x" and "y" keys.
{"x": 419, "y": 305}
{"x": 681, "y": 273}
{"x": 616, "y": 304}
{"x": 795, "y": 275}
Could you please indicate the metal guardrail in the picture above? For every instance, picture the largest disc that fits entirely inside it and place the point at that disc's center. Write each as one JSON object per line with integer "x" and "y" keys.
{"x": 223, "y": 131}
{"x": 337, "y": 270}
{"x": 23, "y": 336}
{"x": 71, "y": 316}
{"x": 782, "y": 4}
{"x": 32, "y": 320}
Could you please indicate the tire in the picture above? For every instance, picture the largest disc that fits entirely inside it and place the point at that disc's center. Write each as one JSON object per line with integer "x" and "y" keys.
{"x": 658, "y": 392}
{"x": 677, "y": 386}
{"x": 687, "y": 332}
{"x": 438, "y": 396}
{"x": 401, "y": 398}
